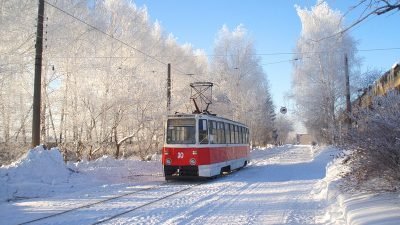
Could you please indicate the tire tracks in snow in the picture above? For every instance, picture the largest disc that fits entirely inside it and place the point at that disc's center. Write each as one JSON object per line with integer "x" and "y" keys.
{"x": 44, "y": 219}
{"x": 144, "y": 205}
{"x": 199, "y": 197}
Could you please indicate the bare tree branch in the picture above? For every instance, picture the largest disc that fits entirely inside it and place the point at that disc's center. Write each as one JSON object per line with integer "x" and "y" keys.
{"x": 378, "y": 10}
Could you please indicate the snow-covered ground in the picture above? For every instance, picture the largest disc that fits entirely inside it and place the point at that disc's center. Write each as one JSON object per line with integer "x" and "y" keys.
{"x": 43, "y": 173}
{"x": 357, "y": 207}
{"x": 282, "y": 185}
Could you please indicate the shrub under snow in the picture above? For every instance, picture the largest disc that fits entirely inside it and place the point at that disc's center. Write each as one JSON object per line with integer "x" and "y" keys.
{"x": 375, "y": 141}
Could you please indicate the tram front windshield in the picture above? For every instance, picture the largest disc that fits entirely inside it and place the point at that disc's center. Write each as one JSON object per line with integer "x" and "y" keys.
{"x": 181, "y": 131}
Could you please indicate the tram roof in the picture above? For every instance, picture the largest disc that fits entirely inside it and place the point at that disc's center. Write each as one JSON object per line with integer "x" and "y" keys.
{"x": 184, "y": 115}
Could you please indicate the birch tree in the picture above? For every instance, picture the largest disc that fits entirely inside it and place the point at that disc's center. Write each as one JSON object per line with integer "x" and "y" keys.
{"x": 318, "y": 78}
{"x": 242, "y": 90}
{"x": 104, "y": 83}
{"x": 16, "y": 64}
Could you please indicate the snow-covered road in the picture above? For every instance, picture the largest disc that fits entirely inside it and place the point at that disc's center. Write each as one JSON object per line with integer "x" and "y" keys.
{"x": 280, "y": 186}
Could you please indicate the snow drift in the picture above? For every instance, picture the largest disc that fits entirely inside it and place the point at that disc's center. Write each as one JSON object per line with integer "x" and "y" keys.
{"x": 42, "y": 173}
{"x": 34, "y": 174}
{"x": 346, "y": 205}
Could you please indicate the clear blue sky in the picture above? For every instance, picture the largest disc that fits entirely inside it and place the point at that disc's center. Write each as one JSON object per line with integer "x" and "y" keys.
{"x": 275, "y": 27}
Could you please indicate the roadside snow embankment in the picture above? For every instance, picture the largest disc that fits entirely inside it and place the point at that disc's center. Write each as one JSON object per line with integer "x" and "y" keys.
{"x": 356, "y": 206}
{"x": 110, "y": 170}
{"x": 35, "y": 174}
{"x": 42, "y": 173}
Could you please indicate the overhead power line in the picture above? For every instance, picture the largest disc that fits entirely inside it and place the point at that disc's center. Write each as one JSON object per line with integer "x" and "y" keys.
{"x": 111, "y": 36}
{"x": 378, "y": 49}
{"x": 256, "y": 54}
{"x": 300, "y": 53}
{"x": 282, "y": 61}
{"x": 317, "y": 52}
{"x": 105, "y": 33}
{"x": 213, "y": 55}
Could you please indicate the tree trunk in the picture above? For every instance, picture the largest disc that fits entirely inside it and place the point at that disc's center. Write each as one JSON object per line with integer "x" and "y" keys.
{"x": 43, "y": 136}
{"x": 62, "y": 116}
{"x": 117, "y": 145}
{"x": 51, "y": 121}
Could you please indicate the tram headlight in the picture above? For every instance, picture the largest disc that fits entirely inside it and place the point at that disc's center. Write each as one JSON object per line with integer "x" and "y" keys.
{"x": 168, "y": 161}
{"x": 192, "y": 161}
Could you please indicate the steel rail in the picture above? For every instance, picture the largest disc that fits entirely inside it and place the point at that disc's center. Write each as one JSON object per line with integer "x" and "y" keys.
{"x": 146, "y": 204}
{"x": 91, "y": 204}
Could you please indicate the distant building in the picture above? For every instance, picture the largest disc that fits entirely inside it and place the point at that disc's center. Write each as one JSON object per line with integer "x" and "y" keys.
{"x": 304, "y": 139}
{"x": 389, "y": 81}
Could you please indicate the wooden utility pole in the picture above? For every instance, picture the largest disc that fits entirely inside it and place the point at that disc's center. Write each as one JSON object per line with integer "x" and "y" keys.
{"x": 169, "y": 89}
{"x": 348, "y": 103}
{"x": 38, "y": 76}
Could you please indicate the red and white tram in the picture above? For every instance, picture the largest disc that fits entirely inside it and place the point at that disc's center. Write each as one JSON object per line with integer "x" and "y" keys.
{"x": 203, "y": 145}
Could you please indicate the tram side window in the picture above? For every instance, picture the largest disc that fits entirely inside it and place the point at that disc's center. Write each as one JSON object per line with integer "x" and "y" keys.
{"x": 236, "y": 135}
{"x": 232, "y": 134}
{"x": 246, "y": 136}
{"x": 240, "y": 135}
{"x": 243, "y": 135}
{"x": 220, "y": 133}
{"x": 227, "y": 134}
{"x": 212, "y": 125}
{"x": 203, "y": 132}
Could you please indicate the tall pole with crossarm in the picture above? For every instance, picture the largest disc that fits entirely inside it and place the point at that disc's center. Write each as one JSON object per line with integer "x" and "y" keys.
{"x": 348, "y": 102}
{"x": 38, "y": 77}
{"x": 169, "y": 88}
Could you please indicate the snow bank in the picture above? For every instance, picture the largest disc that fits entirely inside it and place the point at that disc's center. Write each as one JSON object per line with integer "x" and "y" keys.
{"x": 356, "y": 207}
{"x": 108, "y": 169}
{"x": 32, "y": 174}
{"x": 42, "y": 173}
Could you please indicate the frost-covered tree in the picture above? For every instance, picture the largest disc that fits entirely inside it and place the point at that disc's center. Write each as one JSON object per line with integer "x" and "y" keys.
{"x": 319, "y": 69}
{"x": 242, "y": 89}
{"x": 128, "y": 69}
{"x": 104, "y": 84}
{"x": 17, "y": 33}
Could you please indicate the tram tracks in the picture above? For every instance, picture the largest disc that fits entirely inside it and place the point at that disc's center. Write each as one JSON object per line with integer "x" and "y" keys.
{"x": 221, "y": 192}
{"x": 146, "y": 204}
{"x": 165, "y": 195}
{"x": 132, "y": 193}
